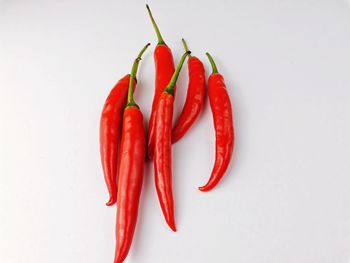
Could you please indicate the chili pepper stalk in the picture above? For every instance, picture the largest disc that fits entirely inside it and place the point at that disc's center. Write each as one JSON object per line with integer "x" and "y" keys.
{"x": 132, "y": 155}
{"x": 171, "y": 86}
{"x": 162, "y": 148}
{"x": 155, "y": 26}
{"x": 134, "y": 69}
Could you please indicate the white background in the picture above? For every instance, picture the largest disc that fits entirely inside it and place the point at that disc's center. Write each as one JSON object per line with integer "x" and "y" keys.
{"x": 286, "y": 195}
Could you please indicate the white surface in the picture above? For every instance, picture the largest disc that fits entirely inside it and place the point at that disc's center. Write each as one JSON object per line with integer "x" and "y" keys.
{"x": 286, "y": 195}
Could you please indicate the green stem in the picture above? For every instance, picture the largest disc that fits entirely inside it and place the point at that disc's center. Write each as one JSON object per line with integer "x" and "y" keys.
{"x": 213, "y": 65}
{"x": 134, "y": 68}
{"x": 156, "y": 28}
{"x": 170, "y": 88}
{"x": 185, "y": 46}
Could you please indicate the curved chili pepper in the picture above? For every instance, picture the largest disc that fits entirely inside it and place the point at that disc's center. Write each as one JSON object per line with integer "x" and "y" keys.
{"x": 164, "y": 67}
{"x": 162, "y": 148}
{"x": 194, "y": 98}
{"x": 223, "y": 122}
{"x": 132, "y": 156}
{"x": 110, "y": 125}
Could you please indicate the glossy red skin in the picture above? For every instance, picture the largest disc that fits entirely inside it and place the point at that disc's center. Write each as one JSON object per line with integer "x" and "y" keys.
{"x": 194, "y": 98}
{"x": 110, "y": 126}
{"x": 164, "y": 64}
{"x": 162, "y": 157}
{"x": 131, "y": 167}
{"x": 224, "y": 133}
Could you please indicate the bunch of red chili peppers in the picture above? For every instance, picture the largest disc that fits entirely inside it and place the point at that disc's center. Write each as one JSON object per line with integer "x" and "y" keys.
{"x": 123, "y": 143}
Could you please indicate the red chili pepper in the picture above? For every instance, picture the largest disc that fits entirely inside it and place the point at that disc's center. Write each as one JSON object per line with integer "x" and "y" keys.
{"x": 132, "y": 156}
{"x": 110, "y": 126}
{"x": 223, "y": 122}
{"x": 162, "y": 147}
{"x": 194, "y": 99}
{"x": 164, "y": 64}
